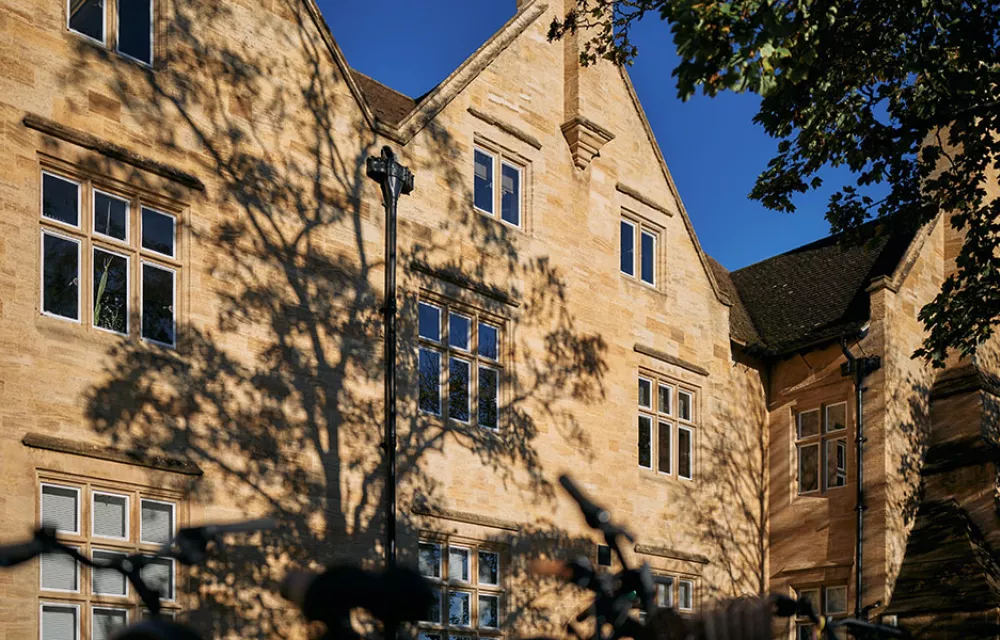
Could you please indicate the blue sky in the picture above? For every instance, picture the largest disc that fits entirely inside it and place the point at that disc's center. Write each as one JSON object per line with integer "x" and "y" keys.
{"x": 713, "y": 149}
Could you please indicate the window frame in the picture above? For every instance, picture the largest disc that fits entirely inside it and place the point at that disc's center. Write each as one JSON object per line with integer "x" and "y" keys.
{"x": 635, "y": 251}
{"x": 103, "y": 594}
{"x": 41, "y": 616}
{"x": 691, "y": 436}
{"x": 143, "y": 262}
{"x": 79, "y": 275}
{"x": 79, "y": 196}
{"x": 173, "y": 518}
{"x": 106, "y": 607}
{"x": 128, "y": 290}
{"x": 520, "y": 192}
{"x": 498, "y": 159}
{"x": 128, "y": 514}
{"x": 642, "y": 251}
{"x": 104, "y": 23}
{"x": 79, "y": 506}
{"x": 444, "y": 586}
{"x": 118, "y": 34}
{"x": 78, "y": 570}
{"x": 819, "y": 602}
{"x": 671, "y": 419}
{"x": 173, "y": 227}
{"x": 94, "y": 190}
{"x": 470, "y": 357}
{"x": 691, "y": 605}
{"x": 640, "y": 227}
{"x": 822, "y": 439}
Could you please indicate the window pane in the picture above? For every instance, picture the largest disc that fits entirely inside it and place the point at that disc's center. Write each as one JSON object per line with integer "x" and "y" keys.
{"x": 110, "y": 291}
{"x": 812, "y": 595}
{"x": 836, "y": 417}
{"x": 836, "y": 600}
{"x": 59, "y": 508}
{"x": 489, "y": 611}
{"x": 648, "y": 256}
{"x": 489, "y": 568}
{"x": 108, "y": 581}
{"x": 645, "y": 394}
{"x": 685, "y": 405}
{"x": 157, "y": 521}
{"x": 685, "y": 594}
{"x": 60, "y": 200}
{"x": 157, "y": 304}
{"x": 685, "y": 455}
{"x": 666, "y": 399}
{"x": 458, "y": 609}
{"x": 489, "y": 339}
{"x": 665, "y": 592}
{"x": 664, "y": 447}
{"x": 159, "y": 576}
{"x": 135, "y": 33}
{"x": 87, "y": 17}
{"x": 430, "y": 560}
{"x": 804, "y": 632}
{"x": 645, "y": 444}
{"x": 809, "y": 468}
{"x": 488, "y": 385}
{"x": 110, "y": 516}
{"x": 157, "y": 232}
{"x": 836, "y": 463}
{"x": 484, "y": 181}
{"x": 59, "y": 622}
{"x": 107, "y": 621}
{"x": 458, "y": 390}
{"x": 459, "y": 328}
{"x": 110, "y": 215}
{"x": 510, "y": 195}
{"x": 60, "y": 572}
{"x": 808, "y": 423}
{"x": 458, "y": 564}
{"x": 434, "y": 610}
{"x": 61, "y": 270}
{"x": 430, "y": 381}
{"x": 430, "y": 321}
{"x": 627, "y": 248}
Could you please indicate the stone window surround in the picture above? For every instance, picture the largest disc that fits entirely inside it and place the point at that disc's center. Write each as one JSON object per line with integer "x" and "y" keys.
{"x": 672, "y": 418}
{"x": 448, "y": 305}
{"x": 83, "y": 598}
{"x": 821, "y": 439}
{"x": 444, "y": 584}
{"x": 503, "y": 155}
{"x": 110, "y": 29}
{"x": 642, "y": 225}
{"x": 88, "y": 239}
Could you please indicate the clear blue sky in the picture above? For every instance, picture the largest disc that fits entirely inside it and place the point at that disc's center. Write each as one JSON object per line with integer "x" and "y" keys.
{"x": 713, "y": 149}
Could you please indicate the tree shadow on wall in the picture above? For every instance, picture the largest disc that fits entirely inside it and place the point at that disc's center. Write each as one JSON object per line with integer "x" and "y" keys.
{"x": 275, "y": 386}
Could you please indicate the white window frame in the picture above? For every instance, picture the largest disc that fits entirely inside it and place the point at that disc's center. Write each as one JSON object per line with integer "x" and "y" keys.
{"x": 128, "y": 509}
{"x": 493, "y": 196}
{"x": 638, "y": 399}
{"x": 76, "y": 568}
{"x": 173, "y": 243}
{"x": 152, "y": 35}
{"x": 659, "y": 407}
{"x": 468, "y": 589}
{"x": 691, "y": 436}
{"x": 496, "y": 370}
{"x": 826, "y": 418}
{"x": 79, "y": 275}
{"x": 826, "y": 600}
{"x": 128, "y": 291}
{"x": 440, "y": 570}
{"x": 142, "y": 299}
{"x": 668, "y": 582}
{"x": 469, "y": 398}
{"x": 93, "y": 571}
{"x": 468, "y": 580}
{"x": 692, "y": 417}
{"x": 499, "y": 568}
{"x": 439, "y": 310}
{"x": 680, "y": 603}
{"x": 173, "y": 518}
{"x": 821, "y": 440}
{"x": 104, "y": 24}
{"x": 520, "y": 194}
{"x": 441, "y": 382}
{"x": 651, "y": 421}
{"x": 479, "y": 615}
{"x": 79, "y": 190}
{"x": 468, "y": 332}
{"x": 635, "y": 250}
{"x": 79, "y": 507}
{"x": 106, "y": 607}
{"x": 128, "y": 216}
{"x": 671, "y": 426}
{"x": 65, "y": 605}
{"x": 173, "y": 578}
{"x": 644, "y": 232}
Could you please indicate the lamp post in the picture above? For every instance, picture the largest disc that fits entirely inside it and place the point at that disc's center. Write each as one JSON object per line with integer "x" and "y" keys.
{"x": 395, "y": 179}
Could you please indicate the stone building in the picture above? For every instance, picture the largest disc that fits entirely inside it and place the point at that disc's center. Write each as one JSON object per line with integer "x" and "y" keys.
{"x": 191, "y": 262}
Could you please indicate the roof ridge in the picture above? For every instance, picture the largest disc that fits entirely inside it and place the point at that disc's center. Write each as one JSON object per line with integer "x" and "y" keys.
{"x": 354, "y": 70}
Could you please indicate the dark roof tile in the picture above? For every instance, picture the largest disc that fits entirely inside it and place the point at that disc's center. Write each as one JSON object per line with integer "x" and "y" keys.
{"x": 388, "y": 105}
{"x": 740, "y": 326}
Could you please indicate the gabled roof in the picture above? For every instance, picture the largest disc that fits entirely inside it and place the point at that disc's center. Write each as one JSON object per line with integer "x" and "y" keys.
{"x": 948, "y": 566}
{"x": 816, "y": 292}
{"x": 741, "y": 327}
{"x": 388, "y": 105}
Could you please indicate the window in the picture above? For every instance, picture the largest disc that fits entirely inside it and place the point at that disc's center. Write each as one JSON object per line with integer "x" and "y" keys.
{"x": 666, "y": 427}
{"x": 82, "y": 224}
{"x": 685, "y": 595}
{"x": 103, "y": 523}
{"x": 830, "y": 601}
{"x": 466, "y": 579}
{"x": 470, "y": 345}
{"x": 486, "y": 197}
{"x": 641, "y": 256}
{"x": 673, "y": 591}
{"x": 134, "y": 18}
{"x": 821, "y": 446}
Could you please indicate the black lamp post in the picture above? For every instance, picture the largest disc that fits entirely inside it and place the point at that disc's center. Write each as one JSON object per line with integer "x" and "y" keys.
{"x": 395, "y": 179}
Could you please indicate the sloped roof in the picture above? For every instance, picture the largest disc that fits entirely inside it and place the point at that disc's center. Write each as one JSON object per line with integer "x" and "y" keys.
{"x": 388, "y": 105}
{"x": 815, "y": 292}
{"x": 740, "y": 326}
{"x": 947, "y": 567}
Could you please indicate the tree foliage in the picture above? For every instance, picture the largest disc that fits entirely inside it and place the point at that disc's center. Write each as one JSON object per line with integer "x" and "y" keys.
{"x": 903, "y": 93}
